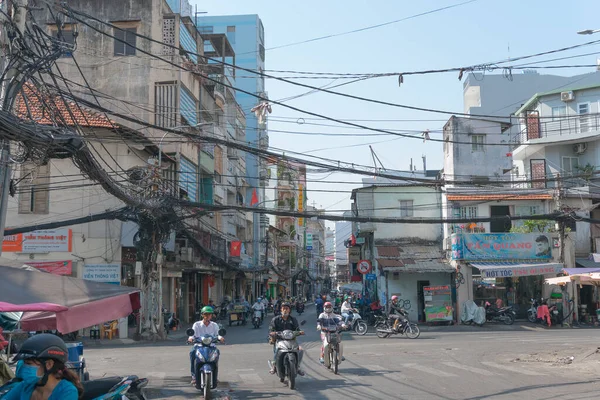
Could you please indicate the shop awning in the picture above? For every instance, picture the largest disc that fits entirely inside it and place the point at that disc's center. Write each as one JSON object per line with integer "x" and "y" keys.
{"x": 512, "y": 269}
{"x": 584, "y": 263}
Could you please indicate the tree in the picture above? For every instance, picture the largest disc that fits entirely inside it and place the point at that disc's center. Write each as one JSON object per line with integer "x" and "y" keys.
{"x": 531, "y": 226}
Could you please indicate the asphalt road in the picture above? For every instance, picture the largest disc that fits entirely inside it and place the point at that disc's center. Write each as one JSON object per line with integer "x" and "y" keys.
{"x": 441, "y": 364}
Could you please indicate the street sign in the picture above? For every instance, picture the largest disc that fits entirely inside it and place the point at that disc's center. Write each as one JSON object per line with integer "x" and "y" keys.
{"x": 360, "y": 240}
{"x": 371, "y": 277}
{"x": 364, "y": 266}
{"x": 309, "y": 241}
{"x": 308, "y": 247}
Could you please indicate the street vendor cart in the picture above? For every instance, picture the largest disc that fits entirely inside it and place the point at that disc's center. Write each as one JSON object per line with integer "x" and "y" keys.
{"x": 237, "y": 314}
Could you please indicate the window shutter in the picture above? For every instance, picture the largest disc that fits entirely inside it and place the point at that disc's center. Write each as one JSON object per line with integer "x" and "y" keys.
{"x": 41, "y": 196}
{"x": 119, "y": 46}
{"x": 130, "y": 38}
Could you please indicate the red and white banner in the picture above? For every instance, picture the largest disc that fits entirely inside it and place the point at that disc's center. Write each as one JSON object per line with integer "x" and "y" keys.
{"x": 54, "y": 267}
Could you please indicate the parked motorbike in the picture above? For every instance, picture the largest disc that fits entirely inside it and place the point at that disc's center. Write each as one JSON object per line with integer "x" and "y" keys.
{"x": 504, "y": 314}
{"x": 257, "y": 319}
{"x": 130, "y": 387}
{"x": 404, "y": 327}
{"x": 300, "y": 307}
{"x": 288, "y": 357}
{"x": 356, "y": 323}
{"x": 331, "y": 352}
{"x": 206, "y": 361}
{"x": 532, "y": 312}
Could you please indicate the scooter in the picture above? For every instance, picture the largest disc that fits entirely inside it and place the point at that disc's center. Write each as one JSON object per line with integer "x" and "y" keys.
{"x": 356, "y": 323}
{"x": 404, "y": 327}
{"x": 113, "y": 388}
{"x": 206, "y": 363}
{"x": 504, "y": 314}
{"x": 331, "y": 351}
{"x": 300, "y": 307}
{"x": 288, "y": 356}
{"x": 532, "y": 312}
{"x": 257, "y": 319}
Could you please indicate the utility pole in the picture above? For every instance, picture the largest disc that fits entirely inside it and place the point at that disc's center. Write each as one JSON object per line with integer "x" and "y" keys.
{"x": 18, "y": 12}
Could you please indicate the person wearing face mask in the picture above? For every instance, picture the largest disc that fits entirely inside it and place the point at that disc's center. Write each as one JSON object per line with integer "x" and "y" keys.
{"x": 41, "y": 366}
{"x": 328, "y": 321}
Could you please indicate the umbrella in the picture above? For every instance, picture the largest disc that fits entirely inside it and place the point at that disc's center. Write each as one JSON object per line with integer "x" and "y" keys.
{"x": 63, "y": 303}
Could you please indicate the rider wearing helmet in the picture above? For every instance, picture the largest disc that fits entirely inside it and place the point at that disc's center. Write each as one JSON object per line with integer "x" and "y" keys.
{"x": 281, "y": 323}
{"x": 203, "y": 328}
{"x": 326, "y": 321}
{"x": 396, "y": 312}
{"x": 41, "y": 366}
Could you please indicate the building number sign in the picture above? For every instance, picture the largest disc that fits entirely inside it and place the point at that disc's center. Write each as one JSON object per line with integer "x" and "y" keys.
{"x": 364, "y": 266}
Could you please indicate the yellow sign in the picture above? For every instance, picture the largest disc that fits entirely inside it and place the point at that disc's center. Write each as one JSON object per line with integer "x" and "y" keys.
{"x": 301, "y": 203}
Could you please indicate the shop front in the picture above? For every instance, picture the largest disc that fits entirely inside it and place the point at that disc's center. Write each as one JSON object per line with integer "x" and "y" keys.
{"x": 505, "y": 268}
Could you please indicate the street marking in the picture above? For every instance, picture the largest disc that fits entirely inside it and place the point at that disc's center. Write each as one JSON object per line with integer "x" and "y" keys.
{"x": 374, "y": 367}
{"x": 470, "y": 369}
{"x": 251, "y": 379}
{"x": 512, "y": 369}
{"x": 428, "y": 370}
{"x": 245, "y": 370}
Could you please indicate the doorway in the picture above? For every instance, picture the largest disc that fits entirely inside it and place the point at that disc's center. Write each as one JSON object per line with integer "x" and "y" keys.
{"x": 421, "y": 299}
{"x": 500, "y": 225}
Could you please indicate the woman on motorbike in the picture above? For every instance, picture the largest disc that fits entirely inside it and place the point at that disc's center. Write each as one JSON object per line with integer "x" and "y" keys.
{"x": 42, "y": 367}
{"x": 326, "y": 320}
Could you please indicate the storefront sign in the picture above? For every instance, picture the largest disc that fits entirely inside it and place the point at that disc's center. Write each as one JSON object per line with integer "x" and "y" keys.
{"x": 353, "y": 254}
{"x": 46, "y": 241}
{"x": 309, "y": 241}
{"x": 300, "y": 203}
{"x": 107, "y": 273}
{"x": 169, "y": 273}
{"x": 54, "y": 267}
{"x": 501, "y": 246}
{"x": 517, "y": 270}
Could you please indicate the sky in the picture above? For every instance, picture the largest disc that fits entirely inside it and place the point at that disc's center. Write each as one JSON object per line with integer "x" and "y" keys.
{"x": 482, "y": 31}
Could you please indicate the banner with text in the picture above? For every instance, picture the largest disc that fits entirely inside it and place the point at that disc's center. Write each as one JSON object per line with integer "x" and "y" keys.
{"x": 107, "y": 273}
{"x": 46, "y": 241}
{"x": 501, "y": 246}
{"x": 54, "y": 267}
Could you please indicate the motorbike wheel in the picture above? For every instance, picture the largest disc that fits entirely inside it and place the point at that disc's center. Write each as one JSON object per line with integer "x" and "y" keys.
{"x": 412, "y": 331}
{"x": 361, "y": 328}
{"x": 381, "y": 335}
{"x": 207, "y": 384}
{"x": 292, "y": 374}
{"x": 509, "y": 319}
{"x": 335, "y": 361}
{"x": 531, "y": 317}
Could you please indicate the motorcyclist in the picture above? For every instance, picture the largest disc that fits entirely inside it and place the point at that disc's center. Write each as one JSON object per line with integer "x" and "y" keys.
{"x": 277, "y": 307}
{"x": 258, "y": 306}
{"x": 319, "y": 305}
{"x": 203, "y": 328}
{"x": 326, "y": 320}
{"x": 41, "y": 365}
{"x": 346, "y": 309}
{"x": 282, "y": 323}
{"x": 396, "y": 313}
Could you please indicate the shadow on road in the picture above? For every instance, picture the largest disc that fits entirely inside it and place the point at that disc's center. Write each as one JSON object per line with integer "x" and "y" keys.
{"x": 517, "y": 390}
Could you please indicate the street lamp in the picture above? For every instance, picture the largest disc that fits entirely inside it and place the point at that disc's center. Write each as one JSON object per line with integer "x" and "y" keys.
{"x": 176, "y": 127}
{"x": 588, "y": 32}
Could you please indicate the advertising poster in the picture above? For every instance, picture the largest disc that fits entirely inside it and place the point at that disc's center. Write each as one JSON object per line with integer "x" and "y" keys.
{"x": 501, "y": 246}
{"x": 438, "y": 303}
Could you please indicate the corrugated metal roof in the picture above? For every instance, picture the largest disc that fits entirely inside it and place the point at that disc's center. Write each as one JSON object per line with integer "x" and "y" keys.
{"x": 423, "y": 267}
{"x": 475, "y": 197}
{"x": 388, "y": 251}
{"x": 585, "y": 263}
{"x": 415, "y": 259}
{"x": 387, "y": 263}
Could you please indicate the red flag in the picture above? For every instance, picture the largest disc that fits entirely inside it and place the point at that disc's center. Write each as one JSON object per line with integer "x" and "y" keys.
{"x": 235, "y": 249}
{"x": 254, "y": 199}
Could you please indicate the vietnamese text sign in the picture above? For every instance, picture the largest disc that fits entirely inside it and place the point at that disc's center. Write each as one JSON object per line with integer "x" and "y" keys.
{"x": 309, "y": 241}
{"x": 501, "y": 246}
{"x": 107, "y": 273}
{"x": 517, "y": 270}
{"x": 300, "y": 203}
{"x": 371, "y": 277}
{"x": 353, "y": 254}
{"x": 45, "y": 241}
{"x": 54, "y": 267}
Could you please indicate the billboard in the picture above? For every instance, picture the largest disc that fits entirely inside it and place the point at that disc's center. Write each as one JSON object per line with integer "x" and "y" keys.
{"x": 107, "y": 273}
{"x": 46, "y": 241}
{"x": 54, "y": 267}
{"x": 501, "y": 246}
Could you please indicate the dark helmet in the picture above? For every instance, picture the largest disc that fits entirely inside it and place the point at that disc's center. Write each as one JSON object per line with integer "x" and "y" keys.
{"x": 286, "y": 304}
{"x": 44, "y": 346}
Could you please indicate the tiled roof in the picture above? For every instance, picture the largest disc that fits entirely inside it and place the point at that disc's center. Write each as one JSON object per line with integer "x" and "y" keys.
{"x": 476, "y": 197}
{"x": 388, "y": 251}
{"x": 45, "y": 109}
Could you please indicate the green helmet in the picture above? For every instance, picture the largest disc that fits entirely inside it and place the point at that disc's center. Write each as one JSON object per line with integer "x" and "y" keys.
{"x": 207, "y": 310}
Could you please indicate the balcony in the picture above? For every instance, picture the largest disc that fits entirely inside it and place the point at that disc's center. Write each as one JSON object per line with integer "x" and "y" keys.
{"x": 538, "y": 131}
{"x": 219, "y": 89}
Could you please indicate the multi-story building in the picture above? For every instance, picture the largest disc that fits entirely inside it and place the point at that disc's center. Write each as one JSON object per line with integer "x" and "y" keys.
{"x": 315, "y": 253}
{"x": 341, "y": 271}
{"x": 247, "y": 36}
{"x": 197, "y": 265}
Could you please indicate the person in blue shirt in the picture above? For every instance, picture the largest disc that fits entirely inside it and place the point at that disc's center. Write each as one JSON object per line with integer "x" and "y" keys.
{"x": 41, "y": 366}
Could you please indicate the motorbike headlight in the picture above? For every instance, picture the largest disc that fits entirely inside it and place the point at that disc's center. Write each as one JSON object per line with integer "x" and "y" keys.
{"x": 207, "y": 340}
{"x": 200, "y": 356}
{"x": 213, "y": 356}
{"x": 287, "y": 335}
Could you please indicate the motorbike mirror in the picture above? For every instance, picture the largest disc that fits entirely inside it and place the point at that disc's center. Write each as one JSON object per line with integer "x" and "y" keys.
{"x": 303, "y": 322}
{"x": 222, "y": 332}
{"x": 190, "y": 332}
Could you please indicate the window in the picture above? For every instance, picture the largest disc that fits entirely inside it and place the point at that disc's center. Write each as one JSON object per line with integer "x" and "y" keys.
{"x": 583, "y": 109}
{"x": 569, "y": 165}
{"x": 165, "y": 104}
{"x": 231, "y": 34}
{"x": 477, "y": 142}
{"x": 217, "y": 177}
{"x": 558, "y": 112}
{"x": 468, "y": 212}
{"x": 205, "y": 29}
{"x": 127, "y": 35}
{"x": 523, "y": 211}
{"x": 406, "y": 208}
{"x": 261, "y": 52}
{"x": 68, "y": 41}
{"x": 34, "y": 196}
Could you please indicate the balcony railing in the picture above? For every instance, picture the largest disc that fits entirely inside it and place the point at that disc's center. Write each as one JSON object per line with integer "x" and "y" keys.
{"x": 561, "y": 127}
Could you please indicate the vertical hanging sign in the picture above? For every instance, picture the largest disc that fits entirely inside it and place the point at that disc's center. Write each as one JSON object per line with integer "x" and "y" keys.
{"x": 300, "y": 203}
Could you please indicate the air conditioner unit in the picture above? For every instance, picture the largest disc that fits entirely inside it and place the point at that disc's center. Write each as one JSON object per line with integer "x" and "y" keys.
{"x": 567, "y": 96}
{"x": 187, "y": 254}
{"x": 580, "y": 148}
